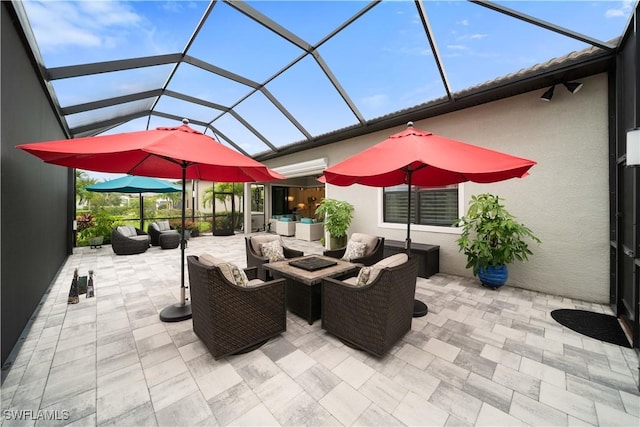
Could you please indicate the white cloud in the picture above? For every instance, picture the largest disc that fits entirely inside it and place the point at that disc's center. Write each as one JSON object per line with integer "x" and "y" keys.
{"x": 81, "y": 24}
{"x": 621, "y": 12}
{"x": 457, "y": 47}
{"x": 375, "y": 101}
{"x": 479, "y": 36}
{"x": 464, "y": 22}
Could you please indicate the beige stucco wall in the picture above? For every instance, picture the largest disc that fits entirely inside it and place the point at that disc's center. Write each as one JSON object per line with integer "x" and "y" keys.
{"x": 564, "y": 201}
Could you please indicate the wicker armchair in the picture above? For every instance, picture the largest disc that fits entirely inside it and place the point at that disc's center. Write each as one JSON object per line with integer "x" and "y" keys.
{"x": 373, "y": 255}
{"x": 128, "y": 240}
{"x": 375, "y": 316}
{"x": 155, "y": 231}
{"x": 255, "y": 258}
{"x": 231, "y": 319}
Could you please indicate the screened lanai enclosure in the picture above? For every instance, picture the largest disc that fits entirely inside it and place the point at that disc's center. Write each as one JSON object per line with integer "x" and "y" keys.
{"x": 268, "y": 77}
{"x": 272, "y": 79}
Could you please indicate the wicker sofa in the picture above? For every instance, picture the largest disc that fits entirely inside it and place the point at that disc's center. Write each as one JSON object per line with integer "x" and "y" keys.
{"x": 374, "y": 316}
{"x": 254, "y": 253}
{"x": 128, "y": 240}
{"x": 232, "y": 319}
{"x": 374, "y": 251}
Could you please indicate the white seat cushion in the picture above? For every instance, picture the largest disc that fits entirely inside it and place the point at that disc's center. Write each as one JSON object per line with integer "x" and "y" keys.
{"x": 392, "y": 261}
{"x": 230, "y": 271}
{"x": 127, "y": 230}
{"x": 369, "y": 274}
{"x": 140, "y": 237}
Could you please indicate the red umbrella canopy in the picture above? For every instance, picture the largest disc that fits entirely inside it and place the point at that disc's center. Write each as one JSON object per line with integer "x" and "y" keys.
{"x": 431, "y": 160}
{"x": 161, "y": 153}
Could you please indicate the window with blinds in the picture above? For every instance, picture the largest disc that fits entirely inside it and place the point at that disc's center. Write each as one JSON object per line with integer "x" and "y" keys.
{"x": 431, "y": 206}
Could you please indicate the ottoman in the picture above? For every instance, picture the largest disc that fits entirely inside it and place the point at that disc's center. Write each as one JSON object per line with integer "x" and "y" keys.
{"x": 169, "y": 240}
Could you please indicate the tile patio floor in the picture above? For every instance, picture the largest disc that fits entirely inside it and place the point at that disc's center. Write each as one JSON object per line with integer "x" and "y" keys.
{"x": 480, "y": 357}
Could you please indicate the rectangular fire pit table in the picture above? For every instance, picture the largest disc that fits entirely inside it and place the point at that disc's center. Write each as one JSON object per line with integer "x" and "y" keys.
{"x": 303, "y": 287}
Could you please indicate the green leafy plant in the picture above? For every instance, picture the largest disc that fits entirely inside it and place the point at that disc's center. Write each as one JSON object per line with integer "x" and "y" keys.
{"x": 337, "y": 216}
{"x": 95, "y": 225}
{"x": 491, "y": 236}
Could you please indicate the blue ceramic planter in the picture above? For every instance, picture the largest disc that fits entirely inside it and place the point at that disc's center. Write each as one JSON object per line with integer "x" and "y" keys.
{"x": 493, "y": 276}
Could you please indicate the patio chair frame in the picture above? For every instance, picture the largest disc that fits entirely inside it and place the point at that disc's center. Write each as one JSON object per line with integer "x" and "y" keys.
{"x": 231, "y": 319}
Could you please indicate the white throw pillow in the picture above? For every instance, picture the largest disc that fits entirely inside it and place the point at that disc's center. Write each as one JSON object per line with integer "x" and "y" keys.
{"x": 273, "y": 251}
{"x": 367, "y": 275}
{"x": 354, "y": 250}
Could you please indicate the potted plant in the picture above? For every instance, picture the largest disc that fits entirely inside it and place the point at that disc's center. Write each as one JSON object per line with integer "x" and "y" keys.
{"x": 190, "y": 228}
{"x": 95, "y": 228}
{"x": 337, "y": 216}
{"x": 492, "y": 238}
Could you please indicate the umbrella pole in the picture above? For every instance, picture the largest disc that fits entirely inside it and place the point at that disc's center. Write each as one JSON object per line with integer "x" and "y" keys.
{"x": 407, "y": 242}
{"x": 141, "y": 212}
{"x": 419, "y": 308}
{"x": 182, "y": 310}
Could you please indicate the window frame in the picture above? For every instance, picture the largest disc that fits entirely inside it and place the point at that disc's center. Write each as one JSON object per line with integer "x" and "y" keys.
{"x": 419, "y": 227}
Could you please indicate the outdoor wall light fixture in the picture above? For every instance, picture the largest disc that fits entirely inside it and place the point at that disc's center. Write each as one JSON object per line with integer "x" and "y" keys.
{"x": 548, "y": 94}
{"x": 572, "y": 87}
{"x": 633, "y": 147}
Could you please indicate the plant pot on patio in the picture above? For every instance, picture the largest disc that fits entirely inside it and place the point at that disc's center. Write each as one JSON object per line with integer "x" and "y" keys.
{"x": 95, "y": 242}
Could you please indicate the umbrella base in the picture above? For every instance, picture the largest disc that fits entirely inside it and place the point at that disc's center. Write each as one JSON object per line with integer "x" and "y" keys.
{"x": 420, "y": 309}
{"x": 176, "y": 313}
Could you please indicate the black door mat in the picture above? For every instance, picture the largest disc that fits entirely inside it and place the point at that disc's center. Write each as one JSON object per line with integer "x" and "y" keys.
{"x": 600, "y": 326}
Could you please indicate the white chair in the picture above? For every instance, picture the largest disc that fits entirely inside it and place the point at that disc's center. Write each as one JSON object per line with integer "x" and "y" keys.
{"x": 286, "y": 228}
{"x": 309, "y": 232}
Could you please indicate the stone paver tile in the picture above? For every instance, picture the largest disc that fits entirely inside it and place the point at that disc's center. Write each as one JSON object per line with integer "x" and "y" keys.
{"x": 414, "y": 356}
{"x": 344, "y": 403}
{"x": 303, "y": 410}
{"x": 613, "y": 417}
{"x": 570, "y": 403}
{"x": 257, "y": 416}
{"x": 295, "y": 363}
{"x": 233, "y": 402}
{"x": 188, "y": 411}
{"x": 317, "y": 381}
{"x": 353, "y": 371}
{"x": 535, "y": 413}
{"x": 172, "y": 390}
{"x": 415, "y": 410}
{"x": 277, "y": 391}
{"x": 491, "y": 416}
{"x": 441, "y": 349}
{"x": 488, "y": 391}
{"x": 458, "y": 403}
{"x": 384, "y": 392}
{"x": 543, "y": 372}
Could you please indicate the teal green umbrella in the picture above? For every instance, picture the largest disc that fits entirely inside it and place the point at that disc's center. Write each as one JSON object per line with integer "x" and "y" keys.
{"x": 135, "y": 184}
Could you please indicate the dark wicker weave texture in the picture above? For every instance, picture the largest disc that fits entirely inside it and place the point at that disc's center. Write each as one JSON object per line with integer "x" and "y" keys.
{"x": 256, "y": 260}
{"x": 229, "y": 318}
{"x": 373, "y": 317}
{"x": 154, "y": 233}
{"x": 376, "y": 255}
{"x": 123, "y": 245}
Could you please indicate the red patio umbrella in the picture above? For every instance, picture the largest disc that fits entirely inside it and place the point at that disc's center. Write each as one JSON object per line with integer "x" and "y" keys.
{"x": 416, "y": 157}
{"x": 165, "y": 152}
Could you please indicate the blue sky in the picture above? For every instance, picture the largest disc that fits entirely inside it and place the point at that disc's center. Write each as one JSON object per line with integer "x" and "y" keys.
{"x": 382, "y": 60}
